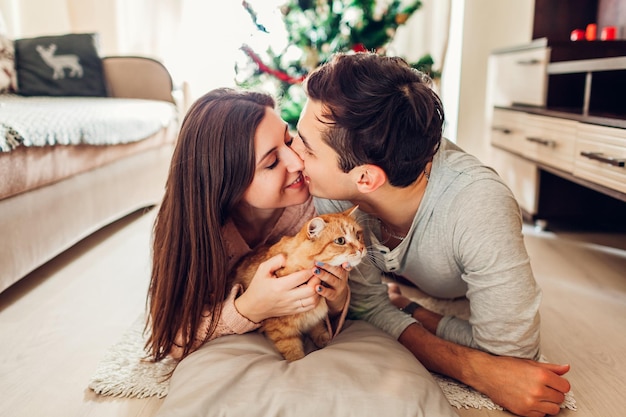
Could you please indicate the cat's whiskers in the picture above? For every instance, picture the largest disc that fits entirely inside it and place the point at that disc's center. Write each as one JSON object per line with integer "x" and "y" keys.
{"x": 374, "y": 258}
{"x": 373, "y": 223}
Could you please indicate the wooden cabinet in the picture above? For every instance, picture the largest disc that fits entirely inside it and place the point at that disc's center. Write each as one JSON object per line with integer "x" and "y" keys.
{"x": 555, "y": 19}
{"x": 600, "y": 156}
{"x": 522, "y": 177}
{"x": 508, "y": 130}
{"x": 528, "y": 64}
{"x": 558, "y": 116}
{"x": 559, "y": 133}
{"x": 551, "y": 141}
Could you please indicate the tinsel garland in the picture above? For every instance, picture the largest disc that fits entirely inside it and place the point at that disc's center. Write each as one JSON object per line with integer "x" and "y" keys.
{"x": 281, "y": 75}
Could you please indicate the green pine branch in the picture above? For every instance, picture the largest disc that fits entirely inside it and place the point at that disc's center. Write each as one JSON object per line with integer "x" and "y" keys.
{"x": 318, "y": 29}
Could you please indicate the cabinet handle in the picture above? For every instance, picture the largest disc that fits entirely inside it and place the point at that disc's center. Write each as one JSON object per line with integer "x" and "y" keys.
{"x": 599, "y": 156}
{"x": 544, "y": 142}
{"x": 529, "y": 62}
{"x": 504, "y": 130}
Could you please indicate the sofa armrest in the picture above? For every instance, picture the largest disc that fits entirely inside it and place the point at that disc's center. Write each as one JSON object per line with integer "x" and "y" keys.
{"x": 137, "y": 77}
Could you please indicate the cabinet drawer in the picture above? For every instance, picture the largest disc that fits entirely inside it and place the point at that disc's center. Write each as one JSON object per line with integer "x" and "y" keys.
{"x": 521, "y": 77}
{"x": 507, "y": 130}
{"x": 551, "y": 141}
{"x": 601, "y": 156}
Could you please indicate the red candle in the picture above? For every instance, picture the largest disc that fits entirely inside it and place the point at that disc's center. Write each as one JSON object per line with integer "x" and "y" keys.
{"x": 608, "y": 33}
{"x": 577, "y": 35}
{"x": 590, "y": 33}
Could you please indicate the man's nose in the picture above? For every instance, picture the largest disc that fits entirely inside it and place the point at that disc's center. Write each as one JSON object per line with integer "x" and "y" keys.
{"x": 297, "y": 146}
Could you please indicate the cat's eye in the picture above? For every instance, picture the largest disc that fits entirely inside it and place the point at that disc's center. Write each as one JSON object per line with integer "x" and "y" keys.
{"x": 340, "y": 240}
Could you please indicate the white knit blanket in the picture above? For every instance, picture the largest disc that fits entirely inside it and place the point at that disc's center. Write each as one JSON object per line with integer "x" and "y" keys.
{"x": 124, "y": 372}
{"x": 43, "y": 121}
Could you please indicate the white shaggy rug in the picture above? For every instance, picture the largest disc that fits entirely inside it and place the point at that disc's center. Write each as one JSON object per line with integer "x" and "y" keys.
{"x": 124, "y": 372}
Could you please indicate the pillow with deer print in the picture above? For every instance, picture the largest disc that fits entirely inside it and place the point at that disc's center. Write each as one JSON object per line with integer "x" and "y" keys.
{"x": 64, "y": 65}
{"x": 8, "y": 78}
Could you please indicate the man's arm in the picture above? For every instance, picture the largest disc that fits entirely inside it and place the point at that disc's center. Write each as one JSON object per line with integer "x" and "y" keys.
{"x": 522, "y": 386}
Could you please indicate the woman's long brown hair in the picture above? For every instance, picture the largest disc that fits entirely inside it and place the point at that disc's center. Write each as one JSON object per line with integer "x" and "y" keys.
{"x": 212, "y": 165}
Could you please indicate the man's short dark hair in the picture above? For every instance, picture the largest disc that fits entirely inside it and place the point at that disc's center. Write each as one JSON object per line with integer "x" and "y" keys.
{"x": 380, "y": 111}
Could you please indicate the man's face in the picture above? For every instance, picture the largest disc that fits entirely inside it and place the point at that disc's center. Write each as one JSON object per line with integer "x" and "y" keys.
{"x": 321, "y": 168}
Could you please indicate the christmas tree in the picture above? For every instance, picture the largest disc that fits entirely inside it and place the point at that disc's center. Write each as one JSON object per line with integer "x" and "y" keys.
{"x": 312, "y": 30}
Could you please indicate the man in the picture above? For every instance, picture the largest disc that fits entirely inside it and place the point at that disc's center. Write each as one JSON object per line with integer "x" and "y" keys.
{"x": 371, "y": 134}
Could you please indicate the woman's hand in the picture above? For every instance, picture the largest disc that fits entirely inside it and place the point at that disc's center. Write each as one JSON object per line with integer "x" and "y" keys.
{"x": 334, "y": 285}
{"x": 268, "y": 296}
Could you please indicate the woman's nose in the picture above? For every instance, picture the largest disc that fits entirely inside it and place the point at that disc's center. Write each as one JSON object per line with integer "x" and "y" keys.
{"x": 293, "y": 161}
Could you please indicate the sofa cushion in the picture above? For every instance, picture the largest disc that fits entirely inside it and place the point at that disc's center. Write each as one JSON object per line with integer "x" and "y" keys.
{"x": 64, "y": 65}
{"x": 8, "y": 79}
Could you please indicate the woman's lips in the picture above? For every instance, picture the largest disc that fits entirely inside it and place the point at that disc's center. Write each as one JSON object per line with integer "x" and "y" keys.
{"x": 299, "y": 182}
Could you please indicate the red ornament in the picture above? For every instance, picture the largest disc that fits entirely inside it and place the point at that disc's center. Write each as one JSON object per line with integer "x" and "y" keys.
{"x": 359, "y": 47}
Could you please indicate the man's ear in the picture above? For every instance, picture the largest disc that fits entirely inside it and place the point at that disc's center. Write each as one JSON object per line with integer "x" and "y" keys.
{"x": 370, "y": 178}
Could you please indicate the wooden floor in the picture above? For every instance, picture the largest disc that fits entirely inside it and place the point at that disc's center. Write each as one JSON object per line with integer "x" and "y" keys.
{"x": 56, "y": 324}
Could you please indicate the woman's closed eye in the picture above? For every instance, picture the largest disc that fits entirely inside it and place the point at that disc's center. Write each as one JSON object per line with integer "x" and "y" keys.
{"x": 273, "y": 164}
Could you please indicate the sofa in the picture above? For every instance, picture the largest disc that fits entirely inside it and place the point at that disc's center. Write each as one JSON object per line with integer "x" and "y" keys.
{"x": 73, "y": 164}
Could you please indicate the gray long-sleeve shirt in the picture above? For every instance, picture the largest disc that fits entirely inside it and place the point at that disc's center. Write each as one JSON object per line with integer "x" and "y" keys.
{"x": 465, "y": 241}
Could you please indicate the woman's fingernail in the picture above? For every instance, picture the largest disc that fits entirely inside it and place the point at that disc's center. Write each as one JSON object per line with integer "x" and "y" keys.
{"x": 316, "y": 271}
{"x": 318, "y": 263}
{"x": 347, "y": 266}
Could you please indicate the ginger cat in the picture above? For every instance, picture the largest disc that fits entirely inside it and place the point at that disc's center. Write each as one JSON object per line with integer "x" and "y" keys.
{"x": 334, "y": 239}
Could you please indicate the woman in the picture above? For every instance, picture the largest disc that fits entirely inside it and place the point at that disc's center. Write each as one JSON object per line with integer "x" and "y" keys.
{"x": 234, "y": 184}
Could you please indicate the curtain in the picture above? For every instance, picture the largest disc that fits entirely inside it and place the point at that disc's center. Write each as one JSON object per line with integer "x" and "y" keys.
{"x": 426, "y": 31}
{"x": 198, "y": 40}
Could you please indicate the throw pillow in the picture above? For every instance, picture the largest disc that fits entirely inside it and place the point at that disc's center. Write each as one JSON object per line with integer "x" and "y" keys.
{"x": 8, "y": 79}
{"x": 65, "y": 65}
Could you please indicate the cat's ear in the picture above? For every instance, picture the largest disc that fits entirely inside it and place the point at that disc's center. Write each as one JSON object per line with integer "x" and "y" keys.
{"x": 351, "y": 211}
{"x": 316, "y": 225}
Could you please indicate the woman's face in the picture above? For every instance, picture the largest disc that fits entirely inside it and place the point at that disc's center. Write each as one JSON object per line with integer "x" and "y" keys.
{"x": 278, "y": 180}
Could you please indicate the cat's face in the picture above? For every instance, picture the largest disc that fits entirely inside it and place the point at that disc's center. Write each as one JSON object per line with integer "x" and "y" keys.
{"x": 341, "y": 237}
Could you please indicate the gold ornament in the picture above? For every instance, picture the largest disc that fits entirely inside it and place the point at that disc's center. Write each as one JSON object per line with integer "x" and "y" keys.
{"x": 401, "y": 18}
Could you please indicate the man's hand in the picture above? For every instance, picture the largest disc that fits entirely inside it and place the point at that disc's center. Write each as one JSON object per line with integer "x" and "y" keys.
{"x": 522, "y": 386}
